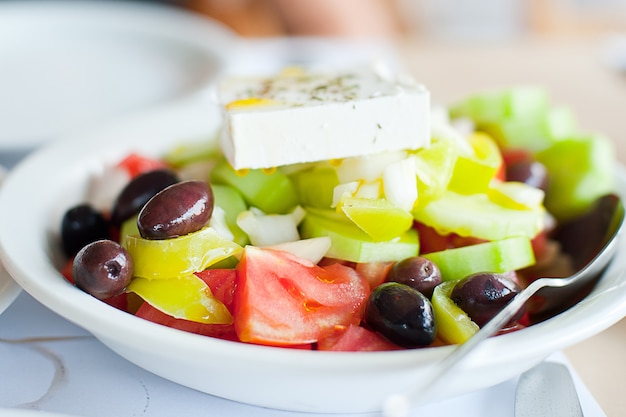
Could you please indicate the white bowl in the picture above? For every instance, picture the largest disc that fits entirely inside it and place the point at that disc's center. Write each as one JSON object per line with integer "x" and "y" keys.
{"x": 9, "y": 290}
{"x": 37, "y": 192}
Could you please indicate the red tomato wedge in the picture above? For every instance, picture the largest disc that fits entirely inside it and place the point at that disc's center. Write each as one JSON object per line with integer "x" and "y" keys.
{"x": 431, "y": 241}
{"x": 540, "y": 243}
{"x": 374, "y": 272}
{"x": 222, "y": 331}
{"x": 66, "y": 271}
{"x": 136, "y": 164}
{"x": 283, "y": 300}
{"x": 356, "y": 339}
{"x": 222, "y": 284}
{"x": 513, "y": 156}
{"x": 118, "y": 301}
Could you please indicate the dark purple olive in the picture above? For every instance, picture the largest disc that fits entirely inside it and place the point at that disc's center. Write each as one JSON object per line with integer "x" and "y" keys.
{"x": 103, "y": 269}
{"x": 483, "y": 295}
{"x": 401, "y": 314}
{"x": 582, "y": 237}
{"x": 138, "y": 191}
{"x": 528, "y": 171}
{"x": 81, "y": 225}
{"x": 416, "y": 272}
{"x": 179, "y": 209}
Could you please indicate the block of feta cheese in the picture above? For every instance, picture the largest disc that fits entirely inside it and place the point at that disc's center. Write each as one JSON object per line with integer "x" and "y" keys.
{"x": 297, "y": 116}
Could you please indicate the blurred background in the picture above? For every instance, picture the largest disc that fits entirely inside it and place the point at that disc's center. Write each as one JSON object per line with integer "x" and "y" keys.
{"x": 575, "y": 48}
{"x": 65, "y": 65}
{"x": 441, "y": 19}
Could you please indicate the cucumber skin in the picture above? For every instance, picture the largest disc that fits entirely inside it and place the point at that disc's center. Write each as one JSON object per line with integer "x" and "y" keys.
{"x": 496, "y": 257}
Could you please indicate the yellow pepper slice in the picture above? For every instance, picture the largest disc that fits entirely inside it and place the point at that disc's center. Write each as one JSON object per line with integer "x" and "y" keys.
{"x": 434, "y": 167}
{"x": 473, "y": 174}
{"x": 377, "y": 217}
{"x": 453, "y": 324}
{"x": 180, "y": 256}
{"x": 186, "y": 297}
{"x": 516, "y": 195}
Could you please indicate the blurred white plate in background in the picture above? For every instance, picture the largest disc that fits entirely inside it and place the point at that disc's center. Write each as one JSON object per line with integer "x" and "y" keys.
{"x": 614, "y": 52}
{"x": 9, "y": 290}
{"x": 69, "y": 64}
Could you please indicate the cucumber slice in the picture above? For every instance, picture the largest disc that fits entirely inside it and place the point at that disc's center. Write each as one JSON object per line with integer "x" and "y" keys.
{"x": 315, "y": 186}
{"x": 272, "y": 192}
{"x": 232, "y": 202}
{"x": 580, "y": 170}
{"x": 523, "y": 102}
{"x": 526, "y": 102}
{"x": 518, "y": 133}
{"x": 486, "y": 106}
{"x": 350, "y": 243}
{"x": 520, "y": 117}
{"x": 188, "y": 153}
{"x": 498, "y": 257}
{"x": 476, "y": 215}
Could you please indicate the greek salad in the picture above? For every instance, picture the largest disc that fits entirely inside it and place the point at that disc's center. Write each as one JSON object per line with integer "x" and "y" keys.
{"x": 407, "y": 248}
